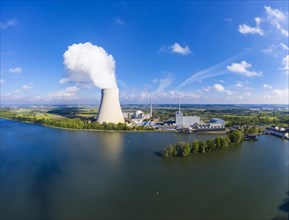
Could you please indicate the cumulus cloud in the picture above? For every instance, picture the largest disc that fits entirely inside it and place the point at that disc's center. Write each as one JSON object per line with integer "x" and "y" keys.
{"x": 218, "y": 87}
{"x": 242, "y": 68}
{"x": 177, "y": 48}
{"x": 88, "y": 63}
{"x": 285, "y": 64}
{"x": 8, "y": 23}
{"x": 246, "y": 29}
{"x": 272, "y": 18}
{"x": 68, "y": 93}
{"x": 267, "y": 86}
{"x": 2, "y": 80}
{"x": 16, "y": 70}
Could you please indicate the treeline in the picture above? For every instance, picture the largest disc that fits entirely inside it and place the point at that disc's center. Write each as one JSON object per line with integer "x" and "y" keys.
{"x": 75, "y": 123}
{"x": 255, "y": 120}
{"x": 183, "y": 149}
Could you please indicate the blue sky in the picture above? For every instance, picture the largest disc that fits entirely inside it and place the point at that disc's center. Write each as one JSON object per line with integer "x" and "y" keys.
{"x": 205, "y": 51}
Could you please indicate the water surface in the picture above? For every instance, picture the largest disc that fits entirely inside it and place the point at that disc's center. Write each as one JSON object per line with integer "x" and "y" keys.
{"x": 50, "y": 173}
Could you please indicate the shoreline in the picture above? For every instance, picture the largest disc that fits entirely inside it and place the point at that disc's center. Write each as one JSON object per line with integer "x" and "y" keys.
{"x": 90, "y": 130}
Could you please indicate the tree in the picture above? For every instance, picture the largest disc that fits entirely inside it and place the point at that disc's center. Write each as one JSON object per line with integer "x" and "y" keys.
{"x": 202, "y": 147}
{"x": 210, "y": 145}
{"x": 195, "y": 147}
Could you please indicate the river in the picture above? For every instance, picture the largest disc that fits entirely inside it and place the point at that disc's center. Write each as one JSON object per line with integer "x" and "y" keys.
{"x": 49, "y": 173}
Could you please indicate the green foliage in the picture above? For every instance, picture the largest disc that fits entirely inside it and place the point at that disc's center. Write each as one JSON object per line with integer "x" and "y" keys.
{"x": 183, "y": 149}
{"x": 73, "y": 123}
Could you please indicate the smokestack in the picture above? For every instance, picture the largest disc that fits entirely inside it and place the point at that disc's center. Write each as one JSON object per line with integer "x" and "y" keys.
{"x": 151, "y": 105}
{"x": 179, "y": 103}
{"x": 109, "y": 109}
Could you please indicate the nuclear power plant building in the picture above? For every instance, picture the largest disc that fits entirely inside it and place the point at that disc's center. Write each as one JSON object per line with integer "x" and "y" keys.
{"x": 109, "y": 109}
{"x": 185, "y": 121}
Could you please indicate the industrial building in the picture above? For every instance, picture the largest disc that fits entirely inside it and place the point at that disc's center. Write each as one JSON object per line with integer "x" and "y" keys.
{"x": 185, "y": 121}
{"x": 217, "y": 121}
{"x": 207, "y": 127}
{"x": 279, "y": 132}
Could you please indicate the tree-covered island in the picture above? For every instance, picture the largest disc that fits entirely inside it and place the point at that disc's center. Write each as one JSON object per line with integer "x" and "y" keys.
{"x": 183, "y": 149}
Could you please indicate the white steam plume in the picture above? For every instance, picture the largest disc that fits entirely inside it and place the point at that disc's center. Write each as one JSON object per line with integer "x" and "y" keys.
{"x": 87, "y": 63}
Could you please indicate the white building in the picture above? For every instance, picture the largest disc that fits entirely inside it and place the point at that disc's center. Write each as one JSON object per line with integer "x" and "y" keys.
{"x": 185, "y": 121}
{"x": 279, "y": 132}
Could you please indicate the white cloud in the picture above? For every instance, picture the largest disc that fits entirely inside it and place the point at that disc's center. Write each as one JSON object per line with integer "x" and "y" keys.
{"x": 245, "y": 29}
{"x": 272, "y": 18}
{"x": 8, "y": 23}
{"x": 218, "y": 87}
{"x": 267, "y": 86}
{"x": 15, "y": 70}
{"x": 164, "y": 83}
{"x": 275, "y": 13}
{"x": 247, "y": 94}
{"x": 285, "y": 64}
{"x": 240, "y": 84}
{"x": 284, "y": 46}
{"x": 271, "y": 49}
{"x": 276, "y": 96}
{"x": 68, "y": 93}
{"x": 210, "y": 72}
{"x": 278, "y": 19}
{"x": 27, "y": 86}
{"x": 177, "y": 48}
{"x": 277, "y": 92}
{"x": 2, "y": 80}
{"x": 207, "y": 89}
{"x": 242, "y": 68}
{"x": 63, "y": 81}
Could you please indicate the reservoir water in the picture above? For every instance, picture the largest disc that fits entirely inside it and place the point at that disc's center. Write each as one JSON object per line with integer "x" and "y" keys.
{"x": 56, "y": 174}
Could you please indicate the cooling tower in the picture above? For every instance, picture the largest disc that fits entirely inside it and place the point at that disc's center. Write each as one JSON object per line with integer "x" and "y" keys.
{"x": 109, "y": 109}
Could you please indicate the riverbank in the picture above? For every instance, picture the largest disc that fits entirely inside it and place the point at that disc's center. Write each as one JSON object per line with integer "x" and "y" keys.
{"x": 90, "y": 130}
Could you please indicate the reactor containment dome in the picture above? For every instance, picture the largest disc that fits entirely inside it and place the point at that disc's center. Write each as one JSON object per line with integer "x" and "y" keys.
{"x": 109, "y": 109}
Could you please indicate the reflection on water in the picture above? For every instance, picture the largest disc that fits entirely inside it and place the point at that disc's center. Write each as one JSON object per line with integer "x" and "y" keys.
{"x": 42, "y": 186}
{"x": 111, "y": 143}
